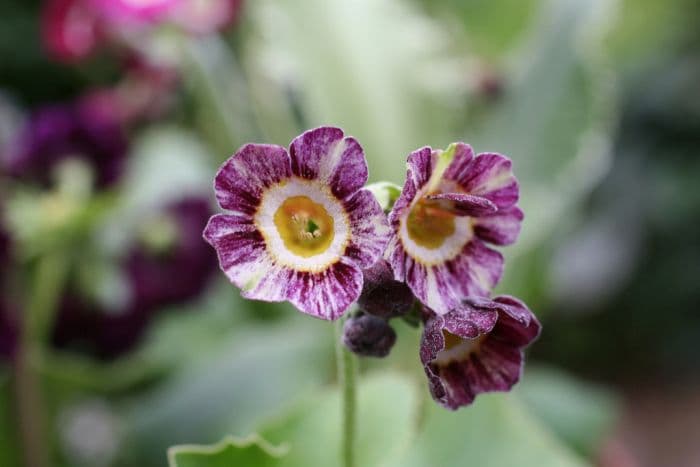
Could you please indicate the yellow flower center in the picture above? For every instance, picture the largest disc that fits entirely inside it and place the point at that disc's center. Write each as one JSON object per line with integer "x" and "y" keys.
{"x": 457, "y": 348}
{"x": 451, "y": 340}
{"x": 429, "y": 226}
{"x": 305, "y": 226}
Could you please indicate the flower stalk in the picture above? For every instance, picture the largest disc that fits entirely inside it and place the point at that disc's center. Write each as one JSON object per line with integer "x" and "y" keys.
{"x": 347, "y": 378}
{"x": 48, "y": 282}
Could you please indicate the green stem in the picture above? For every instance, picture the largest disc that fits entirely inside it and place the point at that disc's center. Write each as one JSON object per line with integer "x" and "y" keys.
{"x": 47, "y": 285}
{"x": 347, "y": 376}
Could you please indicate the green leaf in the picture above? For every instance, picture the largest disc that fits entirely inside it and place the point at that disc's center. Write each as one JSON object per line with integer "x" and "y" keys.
{"x": 248, "y": 377}
{"x": 555, "y": 119}
{"x": 490, "y": 27}
{"x": 229, "y": 452}
{"x": 377, "y": 68}
{"x": 493, "y": 432}
{"x": 387, "y": 417}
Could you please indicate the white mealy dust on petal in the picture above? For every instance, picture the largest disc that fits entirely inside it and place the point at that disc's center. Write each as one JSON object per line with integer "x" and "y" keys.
{"x": 330, "y": 162}
{"x": 498, "y": 180}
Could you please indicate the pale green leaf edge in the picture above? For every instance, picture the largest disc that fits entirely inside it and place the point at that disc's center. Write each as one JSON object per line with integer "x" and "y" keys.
{"x": 229, "y": 441}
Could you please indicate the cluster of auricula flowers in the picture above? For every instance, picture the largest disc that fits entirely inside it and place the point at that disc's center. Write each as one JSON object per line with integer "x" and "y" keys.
{"x": 302, "y": 227}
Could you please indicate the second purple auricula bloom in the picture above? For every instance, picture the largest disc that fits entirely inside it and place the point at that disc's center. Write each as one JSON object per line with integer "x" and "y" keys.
{"x": 301, "y": 228}
{"x": 452, "y": 204}
{"x": 476, "y": 348}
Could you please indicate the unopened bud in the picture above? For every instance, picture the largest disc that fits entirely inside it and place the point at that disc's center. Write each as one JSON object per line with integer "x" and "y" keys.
{"x": 382, "y": 295}
{"x": 368, "y": 336}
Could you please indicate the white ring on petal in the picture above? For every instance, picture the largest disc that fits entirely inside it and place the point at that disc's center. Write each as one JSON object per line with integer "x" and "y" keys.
{"x": 451, "y": 246}
{"x": 273, "y": 198}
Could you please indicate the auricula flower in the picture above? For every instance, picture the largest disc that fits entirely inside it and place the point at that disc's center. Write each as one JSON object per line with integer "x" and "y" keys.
{"x": 301, "y": 227}
{"x": 451, "y": 205}
{"x": 476, "y": 348}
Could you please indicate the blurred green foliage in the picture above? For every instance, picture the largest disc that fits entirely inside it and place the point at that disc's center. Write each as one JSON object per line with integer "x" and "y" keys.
{"x": 554, "y": 84}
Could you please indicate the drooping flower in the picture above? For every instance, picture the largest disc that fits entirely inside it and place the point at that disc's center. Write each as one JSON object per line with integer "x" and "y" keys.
{"x": 74, "y": 131}
{"x": 476, "y": 348}
{"x": 301, "y": 227}
{"x": 451, "y": 205}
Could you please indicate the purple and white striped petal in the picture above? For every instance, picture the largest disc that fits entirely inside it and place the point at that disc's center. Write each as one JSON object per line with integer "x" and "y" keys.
{"x": 240, "y": 248}
{"x": 451, "y": 202}
{"x": 328, "y": 294}
{"x": 370, "y": 231}
{"x": 490, "y": 175}
{"x": 462, "y": 204}
{"x": 443, "y": 284}
{"x": 501, "y": 227}
{"x": 459, "y": 366}
{"x": 324, "y": 154}
{"x": 244, "y": 177}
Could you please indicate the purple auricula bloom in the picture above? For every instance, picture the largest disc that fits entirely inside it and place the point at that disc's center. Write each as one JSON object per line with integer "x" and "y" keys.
{"x": 57, "y": 133}
{"x": 301, "y": 227}
{"x": 451, "y": 205}
{"x": 476, "y": 348}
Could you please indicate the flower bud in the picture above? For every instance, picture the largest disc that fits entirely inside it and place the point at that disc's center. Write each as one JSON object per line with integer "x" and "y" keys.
{"x": 368, "y": 336}
{"x": 383, "y": 296}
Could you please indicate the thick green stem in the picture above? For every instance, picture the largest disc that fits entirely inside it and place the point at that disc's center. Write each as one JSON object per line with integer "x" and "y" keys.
{"x": 347, "y": 376}
{"x": 47, "y": 285}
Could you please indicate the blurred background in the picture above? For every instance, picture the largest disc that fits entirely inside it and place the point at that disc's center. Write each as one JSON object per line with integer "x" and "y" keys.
{"x": 118, "y": 336}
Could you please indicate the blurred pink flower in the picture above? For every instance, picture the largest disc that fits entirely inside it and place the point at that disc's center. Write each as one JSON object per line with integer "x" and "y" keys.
{"x": 70, "y": 29}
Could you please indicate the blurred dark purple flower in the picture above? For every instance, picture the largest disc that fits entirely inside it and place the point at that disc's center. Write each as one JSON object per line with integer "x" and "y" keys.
{"x": 179, "y": 267}
{"x": 84, "y": 326}
{"x": 169, "y": 264}
{"x": 57, "y": 133}
{"x": 8, "y": 326}
{"x": 476, "y": 348}
{"x": 8, "y": 332}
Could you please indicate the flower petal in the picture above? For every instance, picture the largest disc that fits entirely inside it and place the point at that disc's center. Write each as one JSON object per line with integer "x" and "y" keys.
{"x": 370, "y": 231}
{"x": 324, "y": 154}
{"x": 328, "y": 294}
{"x": 240, "y": 248}
{"x": 442, "y": 287}
{"x": 518, "y": 325}
{"x": 461, "y": 164}
{"x": 243, "y": 178}
{"x": 500, "y": 228}
{"x": 462, "y": 204}
{"x": 490, "y": 175}
{"x": 470, "y": 323}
